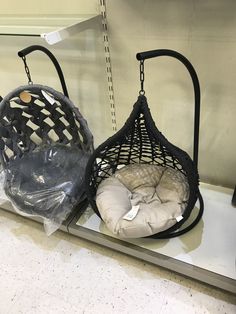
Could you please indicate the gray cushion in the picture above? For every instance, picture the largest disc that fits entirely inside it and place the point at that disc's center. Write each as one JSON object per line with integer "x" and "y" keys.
{"x": 160, "y": 194}
{"x": 47, "y": 182}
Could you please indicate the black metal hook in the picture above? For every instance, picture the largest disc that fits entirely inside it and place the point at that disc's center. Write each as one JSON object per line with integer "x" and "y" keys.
{"x": 141, "y": 56}
{"x": 24, "y": 52}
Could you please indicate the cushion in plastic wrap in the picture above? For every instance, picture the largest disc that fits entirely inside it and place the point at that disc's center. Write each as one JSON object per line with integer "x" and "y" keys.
{"x": 46, "y": 182}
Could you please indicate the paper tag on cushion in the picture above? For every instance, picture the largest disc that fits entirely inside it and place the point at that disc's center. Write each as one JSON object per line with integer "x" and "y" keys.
{"x": 179, "y": 218}
{"x": 132, "y": 213}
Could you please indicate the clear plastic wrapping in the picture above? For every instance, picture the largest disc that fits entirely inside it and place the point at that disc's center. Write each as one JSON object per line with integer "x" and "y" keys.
{"x": 47, "y": 183}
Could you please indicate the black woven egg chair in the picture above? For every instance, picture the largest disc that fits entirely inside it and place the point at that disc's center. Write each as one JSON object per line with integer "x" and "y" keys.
{"x": 44, "y": 147}
{"x": 139, "y": 141}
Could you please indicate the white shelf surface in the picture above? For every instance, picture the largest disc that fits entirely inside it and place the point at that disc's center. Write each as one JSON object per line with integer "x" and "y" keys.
{"x": 52, "y": 28}
{"x": 207, "y": 253}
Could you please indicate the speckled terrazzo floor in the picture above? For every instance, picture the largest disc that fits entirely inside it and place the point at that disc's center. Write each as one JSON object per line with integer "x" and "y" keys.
{"x": 64, "y": 274}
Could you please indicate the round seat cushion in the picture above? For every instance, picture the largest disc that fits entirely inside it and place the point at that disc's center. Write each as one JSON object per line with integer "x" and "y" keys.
{"x": 140, "y": 200}
{"x": 46, "y": 182}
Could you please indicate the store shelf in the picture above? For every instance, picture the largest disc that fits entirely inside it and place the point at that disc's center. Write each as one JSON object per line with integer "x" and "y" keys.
{"x": 52, "y": 28}
{"x": 206, "y": 253}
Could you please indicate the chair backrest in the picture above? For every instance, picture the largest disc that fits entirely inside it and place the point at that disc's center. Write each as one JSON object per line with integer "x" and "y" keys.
{"x": 35, "y": 115}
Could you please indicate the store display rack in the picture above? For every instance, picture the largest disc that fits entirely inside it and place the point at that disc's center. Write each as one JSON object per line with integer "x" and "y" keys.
{"x": 52, "y": 29}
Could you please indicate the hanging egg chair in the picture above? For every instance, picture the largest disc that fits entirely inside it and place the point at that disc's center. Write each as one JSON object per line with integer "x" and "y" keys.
{"x": 139, "y": 183}
{"x": 44, "y": 147}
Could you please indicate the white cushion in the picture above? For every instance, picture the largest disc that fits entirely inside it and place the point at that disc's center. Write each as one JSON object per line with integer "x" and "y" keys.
{"x": 161, "y": 194}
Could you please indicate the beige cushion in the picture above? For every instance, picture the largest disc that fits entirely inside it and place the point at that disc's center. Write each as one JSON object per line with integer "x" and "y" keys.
{"x": 161, "y": 194}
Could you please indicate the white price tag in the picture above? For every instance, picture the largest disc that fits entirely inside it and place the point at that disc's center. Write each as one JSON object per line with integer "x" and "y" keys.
{"x": 132, "y": 213}
{"x": 179, "y": 218}
{"x": 49, "y": 98}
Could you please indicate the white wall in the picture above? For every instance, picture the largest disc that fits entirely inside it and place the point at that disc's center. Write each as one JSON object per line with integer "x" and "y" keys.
{"x": 49, "y": 7}
{"x": 204, "y": 31}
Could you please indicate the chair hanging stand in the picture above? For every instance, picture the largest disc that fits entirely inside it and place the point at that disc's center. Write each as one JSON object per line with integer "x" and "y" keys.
{"x": 197, "y": 95}
{"x": 139, "y": 141}
{"x": 24, "y": 52}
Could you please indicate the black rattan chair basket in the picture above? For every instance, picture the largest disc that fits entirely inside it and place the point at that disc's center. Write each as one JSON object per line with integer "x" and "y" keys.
{"x": 17, "y": 134}
{"x": 139, "y": 141}
{"x": 46, "y": 120}
{"x": 19, "y": 121}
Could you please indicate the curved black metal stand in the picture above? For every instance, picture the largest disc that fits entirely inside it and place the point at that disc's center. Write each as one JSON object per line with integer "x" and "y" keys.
{"x": 24, "y": 52}
{"x": 139, "y": 141}
{"x": 141, "y": 56}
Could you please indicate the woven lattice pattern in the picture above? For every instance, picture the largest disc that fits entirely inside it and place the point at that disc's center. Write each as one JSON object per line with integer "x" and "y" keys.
{"x": 35, "y": 115}
{"x": 138, "y": 144}
{"x": 139, "y": 141}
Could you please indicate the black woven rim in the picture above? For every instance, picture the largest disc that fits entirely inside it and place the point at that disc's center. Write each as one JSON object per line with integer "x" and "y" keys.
{"x": 16, "y": 132}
